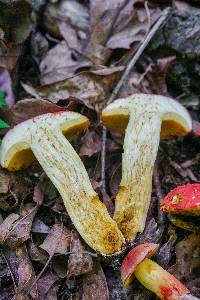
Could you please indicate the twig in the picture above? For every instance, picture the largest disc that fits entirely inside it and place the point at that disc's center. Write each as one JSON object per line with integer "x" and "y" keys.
{"x": 160, "y": 215}
{"x": 130, "y": 65}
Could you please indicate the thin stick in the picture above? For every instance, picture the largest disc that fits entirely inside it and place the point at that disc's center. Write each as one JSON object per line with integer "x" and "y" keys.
{"x": 130, "y": 65}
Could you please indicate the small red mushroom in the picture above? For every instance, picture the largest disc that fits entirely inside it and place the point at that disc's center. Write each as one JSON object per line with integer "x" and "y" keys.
{"x": 150, "y": 274}
{"x": 183, "y": 199}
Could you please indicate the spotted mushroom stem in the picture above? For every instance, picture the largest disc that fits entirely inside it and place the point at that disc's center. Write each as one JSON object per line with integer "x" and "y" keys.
{"x": 67, "y": 172}
{"x": 159, "y": 281}
{"x": 140, "y": 149}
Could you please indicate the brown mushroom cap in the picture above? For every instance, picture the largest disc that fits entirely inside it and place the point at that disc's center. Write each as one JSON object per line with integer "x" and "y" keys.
{"x": 134, "y": 258}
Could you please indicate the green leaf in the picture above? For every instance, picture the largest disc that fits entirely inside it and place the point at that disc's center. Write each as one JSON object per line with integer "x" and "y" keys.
{"x": 2, "y": 99}
{"x": 3, "y": 125}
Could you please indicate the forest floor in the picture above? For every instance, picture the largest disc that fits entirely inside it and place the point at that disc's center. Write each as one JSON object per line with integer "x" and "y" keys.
{"x": 73, "y": 54}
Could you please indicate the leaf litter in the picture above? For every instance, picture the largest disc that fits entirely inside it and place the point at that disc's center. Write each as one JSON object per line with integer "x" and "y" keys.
{"x": 70, "y": 55}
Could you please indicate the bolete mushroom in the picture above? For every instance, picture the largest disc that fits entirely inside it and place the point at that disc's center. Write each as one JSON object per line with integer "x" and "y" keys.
{"x": 144, "y": 118}
{"x": 43, "y": 138}
{"x": 183, "y": 199}
{"x": 150, "y": 274}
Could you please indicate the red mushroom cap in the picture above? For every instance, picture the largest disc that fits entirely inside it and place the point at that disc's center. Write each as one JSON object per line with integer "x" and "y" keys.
{"x": 183, "y": 199}
{"x": 134, "y": 258}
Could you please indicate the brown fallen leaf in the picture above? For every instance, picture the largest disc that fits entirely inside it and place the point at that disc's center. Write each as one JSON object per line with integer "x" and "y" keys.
{"x": 103, "y": 16}
{"x": 134, "y": 27}
{"x": 16, "y": 229}
{"x": 57, "y": 240}
{"x": 91, "y": 143}
{"x": 29, "y": 108}
{"x": 36, "y": 254}
{"x": 4, "y": 181}
{"x": 92, "y": 87}
{"x": 21, "y": 269}
{"x": 39, "y": 226}
{"x": 79, "y": 263}
{"x": 59, "y": 63}
{"x": 95, "y": 285}
{"x": 46, "y": 284}
{"x": 9, "y": 55}
{"x": 72, "y": 12}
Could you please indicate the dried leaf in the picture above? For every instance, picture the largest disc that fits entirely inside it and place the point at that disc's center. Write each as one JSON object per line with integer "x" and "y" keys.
{"x": 39, "y": 226}
{"x": 45, "y": 284}
{"x": 21, "y": 269}
{"x": 70, "y": 35}
{"x": 188, "y": 258}
{"x": 29, "y": 108}
{"x": 92, "y": 88}
{"x": 57, "y": 240}
{"x": 103, "y": 16}
{"x": 36, "y": 254}
{"x": 15, "y": 229}
{"x": 4, "y": 181}
{"x": 59, "y": 64}
{"x": 9, "y": 55}
{"x": 91, "y": 143}
{"x": 134, "y": 30}
{"x": 79, "y": 263}
{"x": 38, "y": 196}
{"x": 95, "y": 285}
{"x": 71, "y": 12}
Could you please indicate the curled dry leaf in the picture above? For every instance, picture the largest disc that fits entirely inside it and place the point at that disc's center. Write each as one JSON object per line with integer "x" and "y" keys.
{"x": 16, "y": 229}
{"x": 92, "y": 87}
{"x": 95, "y": 285}
{"x": 59, "y": 64}
{"x": 131, "y": 28}
{"x": 103, "y": 15}
{"x": 79, "y": 263}
{"x": 57, "y": 240}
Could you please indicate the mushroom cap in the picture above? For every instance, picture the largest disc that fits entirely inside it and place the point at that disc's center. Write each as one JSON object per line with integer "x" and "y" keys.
{"x": 183, "y": 199}
{"x": 176, "y": 120}
{"x": 134, "y": 258}
{"x": 15, "y": 150}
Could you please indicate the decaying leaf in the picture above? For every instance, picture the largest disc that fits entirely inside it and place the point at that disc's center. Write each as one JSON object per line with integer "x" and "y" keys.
{"x": 72, "y": 12}
{"x": 95, "y": 285}
{"x": 59, "y": 64}
{"x": 15, "y": 229}
{"x": 79, "y": 263}
{"x": 22, "y": 270}
{"x": 91, "y": 143}
{"x": 29, "y": 108}
{"x": 46, "y": 284}
{"x": 4, "y": 181}
{"x": 91, "y": 87}
{"x": 57, "y": 240}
